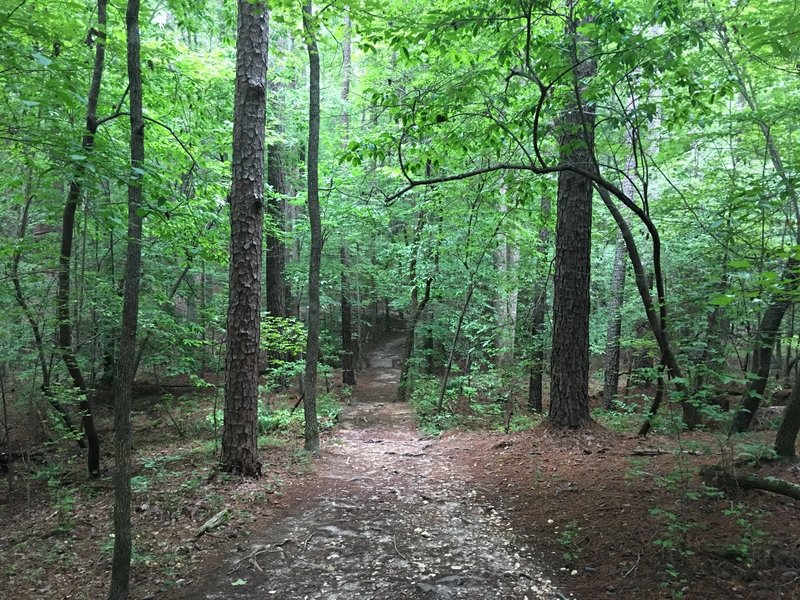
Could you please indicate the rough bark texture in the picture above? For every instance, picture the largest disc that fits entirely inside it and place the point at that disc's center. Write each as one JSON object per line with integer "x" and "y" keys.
{"x": 786, "y": 438}
{"x": 614, "y": 328}
{"x": 65, "y": 258}
{"x": 537, "y": 317}
{"x": 312, "y": 161}
{"x": 762, "y": 349}
{"x": 123, "y": 378}
{"x": 240, "y": 430}
{"x": 569, "y": 364}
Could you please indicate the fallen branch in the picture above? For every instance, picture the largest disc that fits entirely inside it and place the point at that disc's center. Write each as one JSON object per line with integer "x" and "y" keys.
{"x": 658, "y": 452}
{"x": 725, "y": 480}
{"x": 214, "y": 522}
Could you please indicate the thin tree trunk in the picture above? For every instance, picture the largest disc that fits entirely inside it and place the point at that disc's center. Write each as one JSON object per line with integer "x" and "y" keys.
{"x": 614, "y": 329}
{"x": 65, "y": 257}
{"x": 240, "y": 428}
{"x": 535, "y": 394}
{"x": 30, "y": 317}
{"x": 312, "y": 161}
{"x": 451, "y": 356}
{"x": 348, "y": 358}
{"x": 123, "y": 379}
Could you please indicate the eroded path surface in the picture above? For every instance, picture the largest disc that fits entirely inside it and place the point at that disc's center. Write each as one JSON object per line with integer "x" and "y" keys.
{"x": 391, "y": 518}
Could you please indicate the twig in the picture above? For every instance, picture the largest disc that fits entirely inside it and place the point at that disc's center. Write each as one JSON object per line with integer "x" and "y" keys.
{"x": 308, "y": 539}
{"x": 633, "y": 568}
{"x": 400, "y": 554}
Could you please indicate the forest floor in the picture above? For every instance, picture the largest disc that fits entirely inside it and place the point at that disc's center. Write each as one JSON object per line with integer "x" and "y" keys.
{"x": 386, "y": 512}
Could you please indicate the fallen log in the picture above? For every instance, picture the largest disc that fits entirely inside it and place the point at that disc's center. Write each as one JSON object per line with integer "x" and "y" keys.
{"x": 723, "y": 479}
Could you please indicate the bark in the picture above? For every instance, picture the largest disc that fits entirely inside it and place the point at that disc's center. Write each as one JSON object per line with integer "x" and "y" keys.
{"x": 276, "y": 288}
{"x": 614, "y": 329}
{"x": 762, "y": 349}
{"x": 719, "y": 477}
{"x": 537, "y": 317}
{"x": 277, "y": 292}
{"x": 786, "y": 438}
{"x": 569, "y": 364}
{"x": 312, "y": 162}
{"x": 65, "y": 344}
{"x": 240, "y": 429}
{"x": 123, "y": 378}
{"x": 348, "y": 356}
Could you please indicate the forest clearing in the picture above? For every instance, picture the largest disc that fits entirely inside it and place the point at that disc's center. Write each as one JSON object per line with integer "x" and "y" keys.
{"x": 399, "y": 299}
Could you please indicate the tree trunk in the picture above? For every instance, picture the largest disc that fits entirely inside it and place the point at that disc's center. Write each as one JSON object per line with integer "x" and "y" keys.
{"x": 123, "y": 378}
{"x": 538, "y": 314}
{"x": 67, "y": 236}
{"x": 312, "y": 162}
{"x": 786, "y": 438}
{"x": 614, "y": 329}
{"x": 38, "y": 340}
{"x": 414, "y": 313}
{"x": 506, "y": 265}
{"x": 277, "y": 293}
{"x": 569, "y": 363}
{"x": 762, "y": 348}
{"x": 240, "y": 429}
{"x": 348, "y": 356}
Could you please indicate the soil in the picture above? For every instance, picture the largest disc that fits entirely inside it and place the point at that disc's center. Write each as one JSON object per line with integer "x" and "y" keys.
{"x": 385, "y": 512}
{"x": 390, "y": 516}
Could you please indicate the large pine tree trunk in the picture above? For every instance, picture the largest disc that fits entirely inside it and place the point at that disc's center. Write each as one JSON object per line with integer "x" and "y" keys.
{"x": 126, "y": 367}
{"x": 67, "y": 235}
{"x": 569, "y": 364}
{"x": 312, "y": 161}
{"x": 240, "y": 430}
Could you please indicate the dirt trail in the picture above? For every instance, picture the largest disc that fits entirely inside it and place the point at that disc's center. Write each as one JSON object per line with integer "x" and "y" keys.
{"x": 391, "y": 517}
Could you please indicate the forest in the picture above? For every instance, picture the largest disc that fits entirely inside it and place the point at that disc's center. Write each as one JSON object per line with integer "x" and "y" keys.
{"x": 399, "y": 299}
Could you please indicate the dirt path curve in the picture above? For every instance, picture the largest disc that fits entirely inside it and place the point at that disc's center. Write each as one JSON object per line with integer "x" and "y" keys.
{"x": 391, "y": 518}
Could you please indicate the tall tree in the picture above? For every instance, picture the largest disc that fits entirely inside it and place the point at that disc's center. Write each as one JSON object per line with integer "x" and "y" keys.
{"x": 240, "y": 429}
{"x": 65, "y": 342}
{"x": 348, "y": 356}
{"x": 314, "y": 218}
{"x": 614, "y": 325}
{"x": 538, "y": 312}
{"x": 569, "y": 364}
{"x": 125, "y": 370}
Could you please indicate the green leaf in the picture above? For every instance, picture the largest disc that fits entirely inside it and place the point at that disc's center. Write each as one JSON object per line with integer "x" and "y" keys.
{"x": 722, "y": 300}
{"x": 239, "y": 582}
